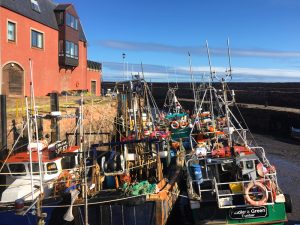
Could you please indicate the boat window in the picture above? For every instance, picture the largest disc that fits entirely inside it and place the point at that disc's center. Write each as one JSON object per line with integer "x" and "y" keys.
{"x": 5, "y": 169}
{"x": 51, "y": 168}
{"x": 35, "y": 168}
{"x": 68, "y": 162}
{"x": 249, "y": 164}
{"x": 17, "y": 169}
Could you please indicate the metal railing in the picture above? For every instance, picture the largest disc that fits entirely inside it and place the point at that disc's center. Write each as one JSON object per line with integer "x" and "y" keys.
{"x": 222, "y": 191}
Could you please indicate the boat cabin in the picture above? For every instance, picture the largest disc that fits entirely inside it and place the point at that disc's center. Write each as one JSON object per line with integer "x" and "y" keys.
{"x": 55, "y": 158}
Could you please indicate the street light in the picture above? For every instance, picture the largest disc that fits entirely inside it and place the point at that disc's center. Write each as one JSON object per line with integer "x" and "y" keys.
{"x": 123, "y": 55}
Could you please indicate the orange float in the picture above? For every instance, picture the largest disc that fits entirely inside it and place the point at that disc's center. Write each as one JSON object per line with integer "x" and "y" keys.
{"x": 262, "y": 188}
{"x": 175, "y": 125}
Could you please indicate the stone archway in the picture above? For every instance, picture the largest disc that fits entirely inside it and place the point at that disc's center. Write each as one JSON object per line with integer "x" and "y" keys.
{"x": 12, "y": 80}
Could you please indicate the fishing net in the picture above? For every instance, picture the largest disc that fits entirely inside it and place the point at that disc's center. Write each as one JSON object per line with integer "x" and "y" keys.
{"x": 139, "y": 188}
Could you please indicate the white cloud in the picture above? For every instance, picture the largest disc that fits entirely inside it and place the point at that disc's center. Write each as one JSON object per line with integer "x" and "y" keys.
{"x": 199, "y": 50}
{"x": 114, "y": 71}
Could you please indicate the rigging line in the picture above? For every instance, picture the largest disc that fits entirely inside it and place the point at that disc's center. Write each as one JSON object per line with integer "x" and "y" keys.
{"x": 75, "y": 132}
{"x": 152, "y": 98}
{"x": 36, "y": 125}
{"x": 9, "y": 153}
{"x": 198, "y": 111}
{"x": 256, "y": 144}
{"x": 145, "y": 164}
{"x": 90, "y": 126}
{"x": 244, "y": 121}
{"x": 44, "y": 172}
{"x": 153, "y": 102}
{"x": 94, "y": 203}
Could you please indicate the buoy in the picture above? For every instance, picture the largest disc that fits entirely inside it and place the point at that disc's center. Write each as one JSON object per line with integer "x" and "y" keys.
{"x": 263, "y": 190}
{"x": 19, "y": 206}
{"x": 175, "y": 125}
{"x": 183, "y": 124}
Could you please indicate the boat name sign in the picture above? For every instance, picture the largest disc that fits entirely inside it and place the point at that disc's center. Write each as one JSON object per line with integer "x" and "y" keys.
{"x": 248, "y": 213}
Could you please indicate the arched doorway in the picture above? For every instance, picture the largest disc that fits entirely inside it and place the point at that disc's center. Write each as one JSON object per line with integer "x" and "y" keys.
{"x": 12, "y": 80}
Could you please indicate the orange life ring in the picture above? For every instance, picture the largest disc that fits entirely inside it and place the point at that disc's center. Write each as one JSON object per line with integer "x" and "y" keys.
{"x": 183, "y": 124}
{"x": 175, "y": 125}
{"x": 262, "y": 188}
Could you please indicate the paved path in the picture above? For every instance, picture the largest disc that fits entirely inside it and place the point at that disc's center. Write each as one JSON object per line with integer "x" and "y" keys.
{"x": 285, "y": 155}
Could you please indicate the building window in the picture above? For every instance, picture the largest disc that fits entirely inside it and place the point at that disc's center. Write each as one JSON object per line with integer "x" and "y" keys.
{"x": 11, "y": 31}
{"x": 37, "y": 39}
{"x": 61, "y": 48}
{"x": 72, "y": 21}
{"x": 71, "y": 50}
{"x": 93, "y": 87}
{"x": 61, "y": 18}
{"x": 35, "y": 5}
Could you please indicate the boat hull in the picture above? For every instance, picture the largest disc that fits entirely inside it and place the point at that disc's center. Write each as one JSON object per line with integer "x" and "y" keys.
{"x": 148, "y": 213}
{"x": 210, "y": 214}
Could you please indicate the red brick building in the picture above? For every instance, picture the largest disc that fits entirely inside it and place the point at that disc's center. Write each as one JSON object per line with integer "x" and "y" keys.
{"x": 49, "y": 35}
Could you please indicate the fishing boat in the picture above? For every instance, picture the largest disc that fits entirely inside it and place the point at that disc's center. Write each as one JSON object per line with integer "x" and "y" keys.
{"x": 131, "y": 178}
{"x": 37, "y": 173}
{"x": 229, "y": 178}
{"x": 137, "y": 164}
{"x": 177, "y": 120}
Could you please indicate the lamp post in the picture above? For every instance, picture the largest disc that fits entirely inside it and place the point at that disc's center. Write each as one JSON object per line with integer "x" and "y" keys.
{"x": 123, "y": 55}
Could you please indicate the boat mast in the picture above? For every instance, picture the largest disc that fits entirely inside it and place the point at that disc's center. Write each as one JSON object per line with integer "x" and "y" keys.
{"x": 29, "y": 144}
{"x": 193, "y": 82}
{"x": 210, "y": 86}
{"x": 39, "y": 213}
{"x": 227, "y": 114}
{"x": 84, "y": 157}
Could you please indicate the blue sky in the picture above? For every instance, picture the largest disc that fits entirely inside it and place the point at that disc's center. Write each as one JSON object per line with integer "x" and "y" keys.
{"x": 264, "y": 38}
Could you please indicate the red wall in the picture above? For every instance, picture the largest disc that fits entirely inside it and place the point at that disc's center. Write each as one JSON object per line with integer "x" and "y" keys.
{"x": 47, "y": 75}
{"x": 94, "y": 75}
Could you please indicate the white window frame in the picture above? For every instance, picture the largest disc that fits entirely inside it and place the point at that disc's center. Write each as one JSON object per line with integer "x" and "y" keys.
{"x": 73, "y": 21}
{"x": 43, "y": 41}
{"x": 15, "y": 23}
{"x": 70, "y": 54}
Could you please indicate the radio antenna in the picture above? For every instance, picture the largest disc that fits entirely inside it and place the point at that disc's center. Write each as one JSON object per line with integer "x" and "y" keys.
{"x": 209, "y": 61}
{"x": 229, "y": 58}
{"x": 142, "y": 70}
